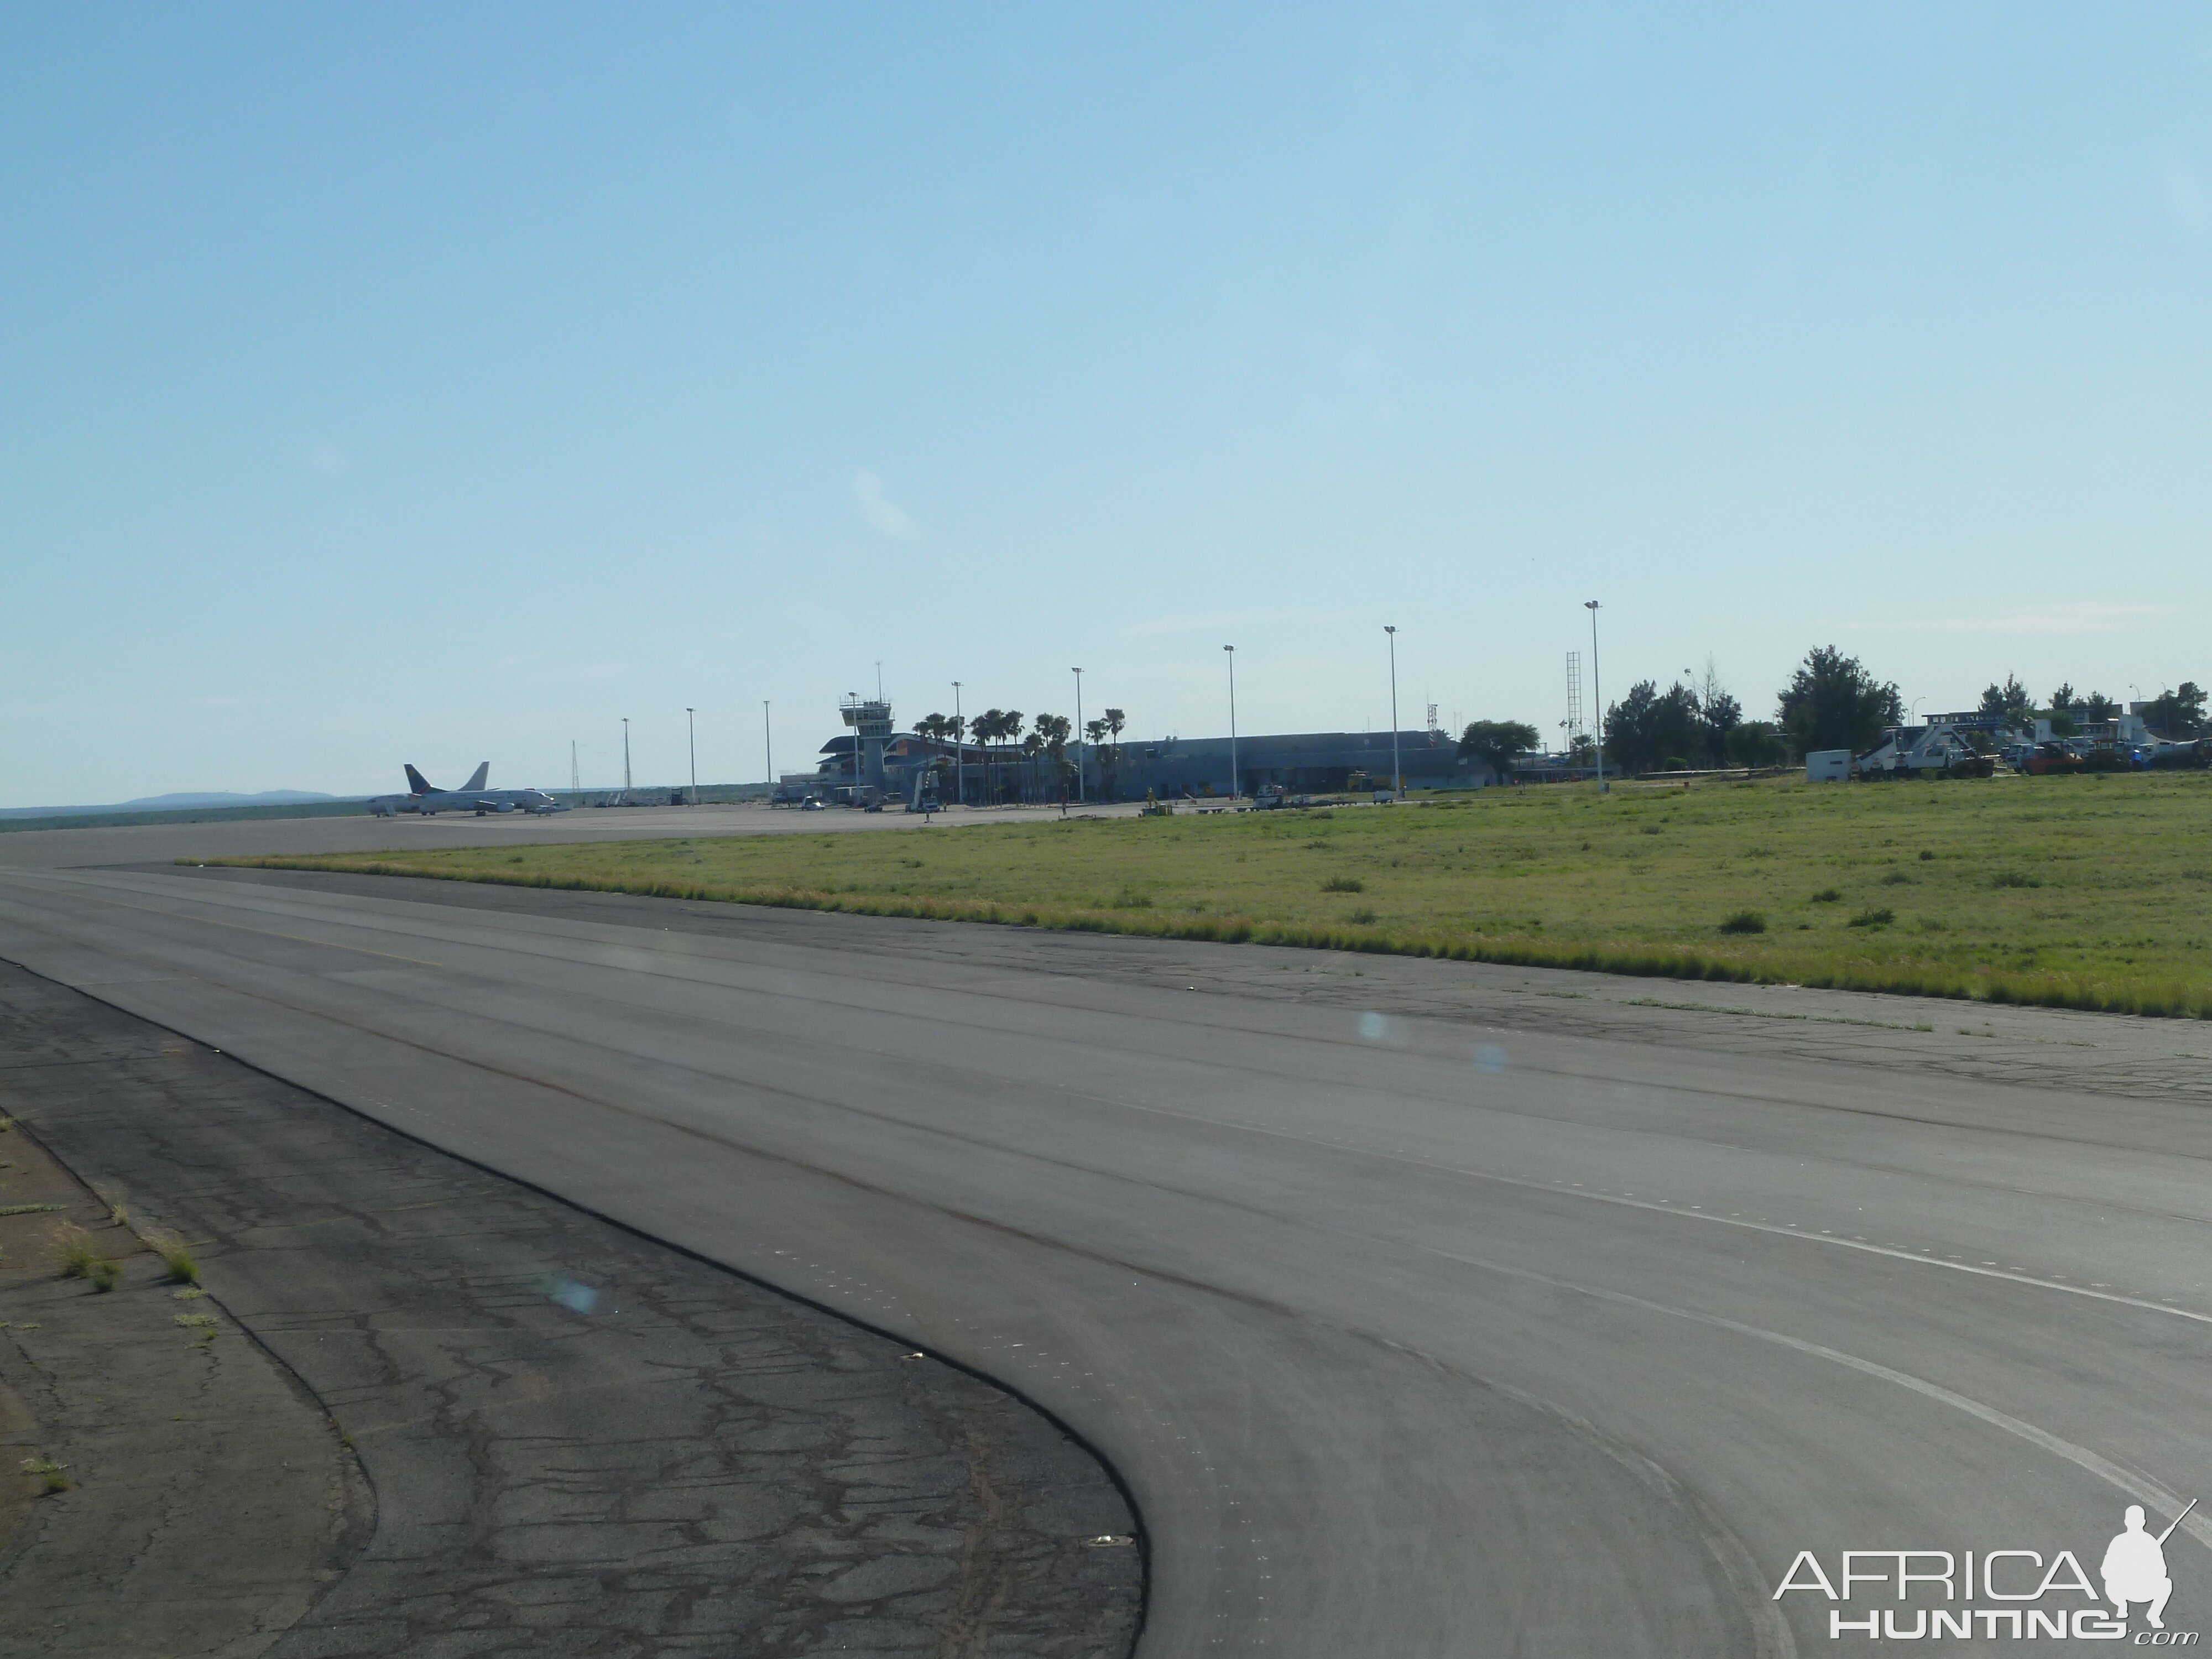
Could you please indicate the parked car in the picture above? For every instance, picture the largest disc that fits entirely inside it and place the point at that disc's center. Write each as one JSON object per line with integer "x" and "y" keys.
{"x": 2051, "y": 757}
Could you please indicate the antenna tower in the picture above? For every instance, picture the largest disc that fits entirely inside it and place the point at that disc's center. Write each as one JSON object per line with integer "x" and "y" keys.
{"x": 1574, "y": 694}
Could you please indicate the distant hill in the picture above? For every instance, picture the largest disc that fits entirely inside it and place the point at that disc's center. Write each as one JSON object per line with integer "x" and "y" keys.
{"x": 184, "y": 801}
{"x": 266, "y": 798}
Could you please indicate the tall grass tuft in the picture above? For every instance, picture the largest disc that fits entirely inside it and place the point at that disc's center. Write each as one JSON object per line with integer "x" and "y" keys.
{"x": 176, "y": 1258}
{"x": 74, "y": 1251}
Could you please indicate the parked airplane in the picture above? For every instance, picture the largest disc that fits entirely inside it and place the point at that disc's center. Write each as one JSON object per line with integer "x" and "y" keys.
{"x": 471, "y": 797}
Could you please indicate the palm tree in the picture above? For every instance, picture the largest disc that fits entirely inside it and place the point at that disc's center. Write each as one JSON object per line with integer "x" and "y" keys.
{"x": 1094, "y": 733}
{"x": 1032, "y": 746}
{"x": 1115, "y": 719}
{"x": 983, "y": 727}
{"x": 995, "y": 725}
{"x": 1050, "y": 732}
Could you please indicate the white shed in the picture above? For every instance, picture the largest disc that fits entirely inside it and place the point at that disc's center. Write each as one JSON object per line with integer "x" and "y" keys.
{"x": 1828, "y": 766}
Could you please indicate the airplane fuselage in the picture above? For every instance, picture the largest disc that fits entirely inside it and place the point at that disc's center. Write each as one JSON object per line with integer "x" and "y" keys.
{"x": 431, "y": 802}
{"x": 472, "y": 796}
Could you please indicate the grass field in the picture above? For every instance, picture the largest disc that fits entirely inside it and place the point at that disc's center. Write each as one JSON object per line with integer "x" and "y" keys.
{"x": 2084, "y": 892}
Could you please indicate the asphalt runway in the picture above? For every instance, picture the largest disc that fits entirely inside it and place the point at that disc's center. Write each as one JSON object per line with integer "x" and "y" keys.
{"x": 1427, "y": 1308}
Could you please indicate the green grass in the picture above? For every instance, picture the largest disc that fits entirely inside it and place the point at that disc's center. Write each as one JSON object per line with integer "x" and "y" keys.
{"x": 177, "y": 1259}
{"x": 52, "y": 1477}
{"x": 2086, "y": 892}
{"x": 79, "y": 1257}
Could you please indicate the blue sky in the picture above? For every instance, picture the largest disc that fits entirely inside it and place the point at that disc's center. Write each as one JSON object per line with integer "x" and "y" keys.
{"x": 445, "y": 383}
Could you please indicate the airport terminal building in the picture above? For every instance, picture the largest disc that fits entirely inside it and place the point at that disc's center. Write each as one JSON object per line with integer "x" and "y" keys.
{"x": 872, "y": 760}
{"x": 1302, "y": 763}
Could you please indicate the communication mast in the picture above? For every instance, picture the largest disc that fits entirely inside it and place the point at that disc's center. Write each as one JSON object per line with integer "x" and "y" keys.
{"x": 1574, "y": 696}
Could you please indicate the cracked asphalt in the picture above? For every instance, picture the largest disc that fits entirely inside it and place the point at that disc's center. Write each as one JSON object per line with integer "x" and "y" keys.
{"x": 579, "y": 1441}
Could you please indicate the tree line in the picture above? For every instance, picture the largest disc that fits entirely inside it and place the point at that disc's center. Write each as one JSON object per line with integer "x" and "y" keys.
{"x": 1042, "y": 750}
{"x": 2172, "y": 715}
{"x": 1832, "y": 702}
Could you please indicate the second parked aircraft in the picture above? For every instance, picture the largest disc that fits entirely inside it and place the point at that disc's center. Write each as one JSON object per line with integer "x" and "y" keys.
{"x": 471, "y": 797}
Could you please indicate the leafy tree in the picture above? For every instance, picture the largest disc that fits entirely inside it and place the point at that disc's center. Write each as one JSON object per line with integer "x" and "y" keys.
{"x": 1756, "y": 743}
{"x": 2177, "y": 714}
{"x": 2062, "y": 700}
{"x": 2010, "y": 700}
{"x": 2098, "y": 706}
{"x": 1832, "y": 703}
{"x": 1497, "y": 744}
{"x": 1718, "y": 717}
{"x": 1718, "y": 713}
{"x": 1627, "y": 724}
{"x": 1649, "y": 727}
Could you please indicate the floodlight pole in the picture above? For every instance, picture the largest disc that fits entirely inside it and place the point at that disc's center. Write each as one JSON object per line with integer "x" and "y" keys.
{"x": 959, "y": 750}
{"x": 691, "y": 732}
{"x": 1079, "y": 735}
{"x": 1236, "y": 778}
{"x": 768, "y": 740}
{"x": 1597, "y": 696}
{"x": 1397, "y": 776}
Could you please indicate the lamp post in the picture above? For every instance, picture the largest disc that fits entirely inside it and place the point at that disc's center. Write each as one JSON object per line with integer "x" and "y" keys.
{"x": 1397, "y": 776}
{"x": 1077, "y": 672}
{"x": 959, "y": 750}
{"x": 1235, "y": 781}
{"x": 691, "y": 732}
{"x": 625, "y": 760}
{"x": 1597, "y": 697}
{"x": 768, "y": 742}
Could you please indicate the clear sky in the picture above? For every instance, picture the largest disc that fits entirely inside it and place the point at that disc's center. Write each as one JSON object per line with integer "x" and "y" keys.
{"x": 446, "y": 382}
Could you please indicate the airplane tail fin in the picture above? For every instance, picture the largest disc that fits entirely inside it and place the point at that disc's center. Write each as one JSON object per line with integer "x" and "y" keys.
{"x": 418, "y": 783}
{"x": 476, "y": 778}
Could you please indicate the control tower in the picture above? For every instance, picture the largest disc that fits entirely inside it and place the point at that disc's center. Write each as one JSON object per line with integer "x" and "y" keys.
{"x": 870, "y": 719}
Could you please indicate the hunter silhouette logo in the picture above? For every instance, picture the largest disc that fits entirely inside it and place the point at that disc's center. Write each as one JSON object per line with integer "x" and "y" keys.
{"x": 2022, "y": 1592}
{"x": 2134, "y": 1567}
